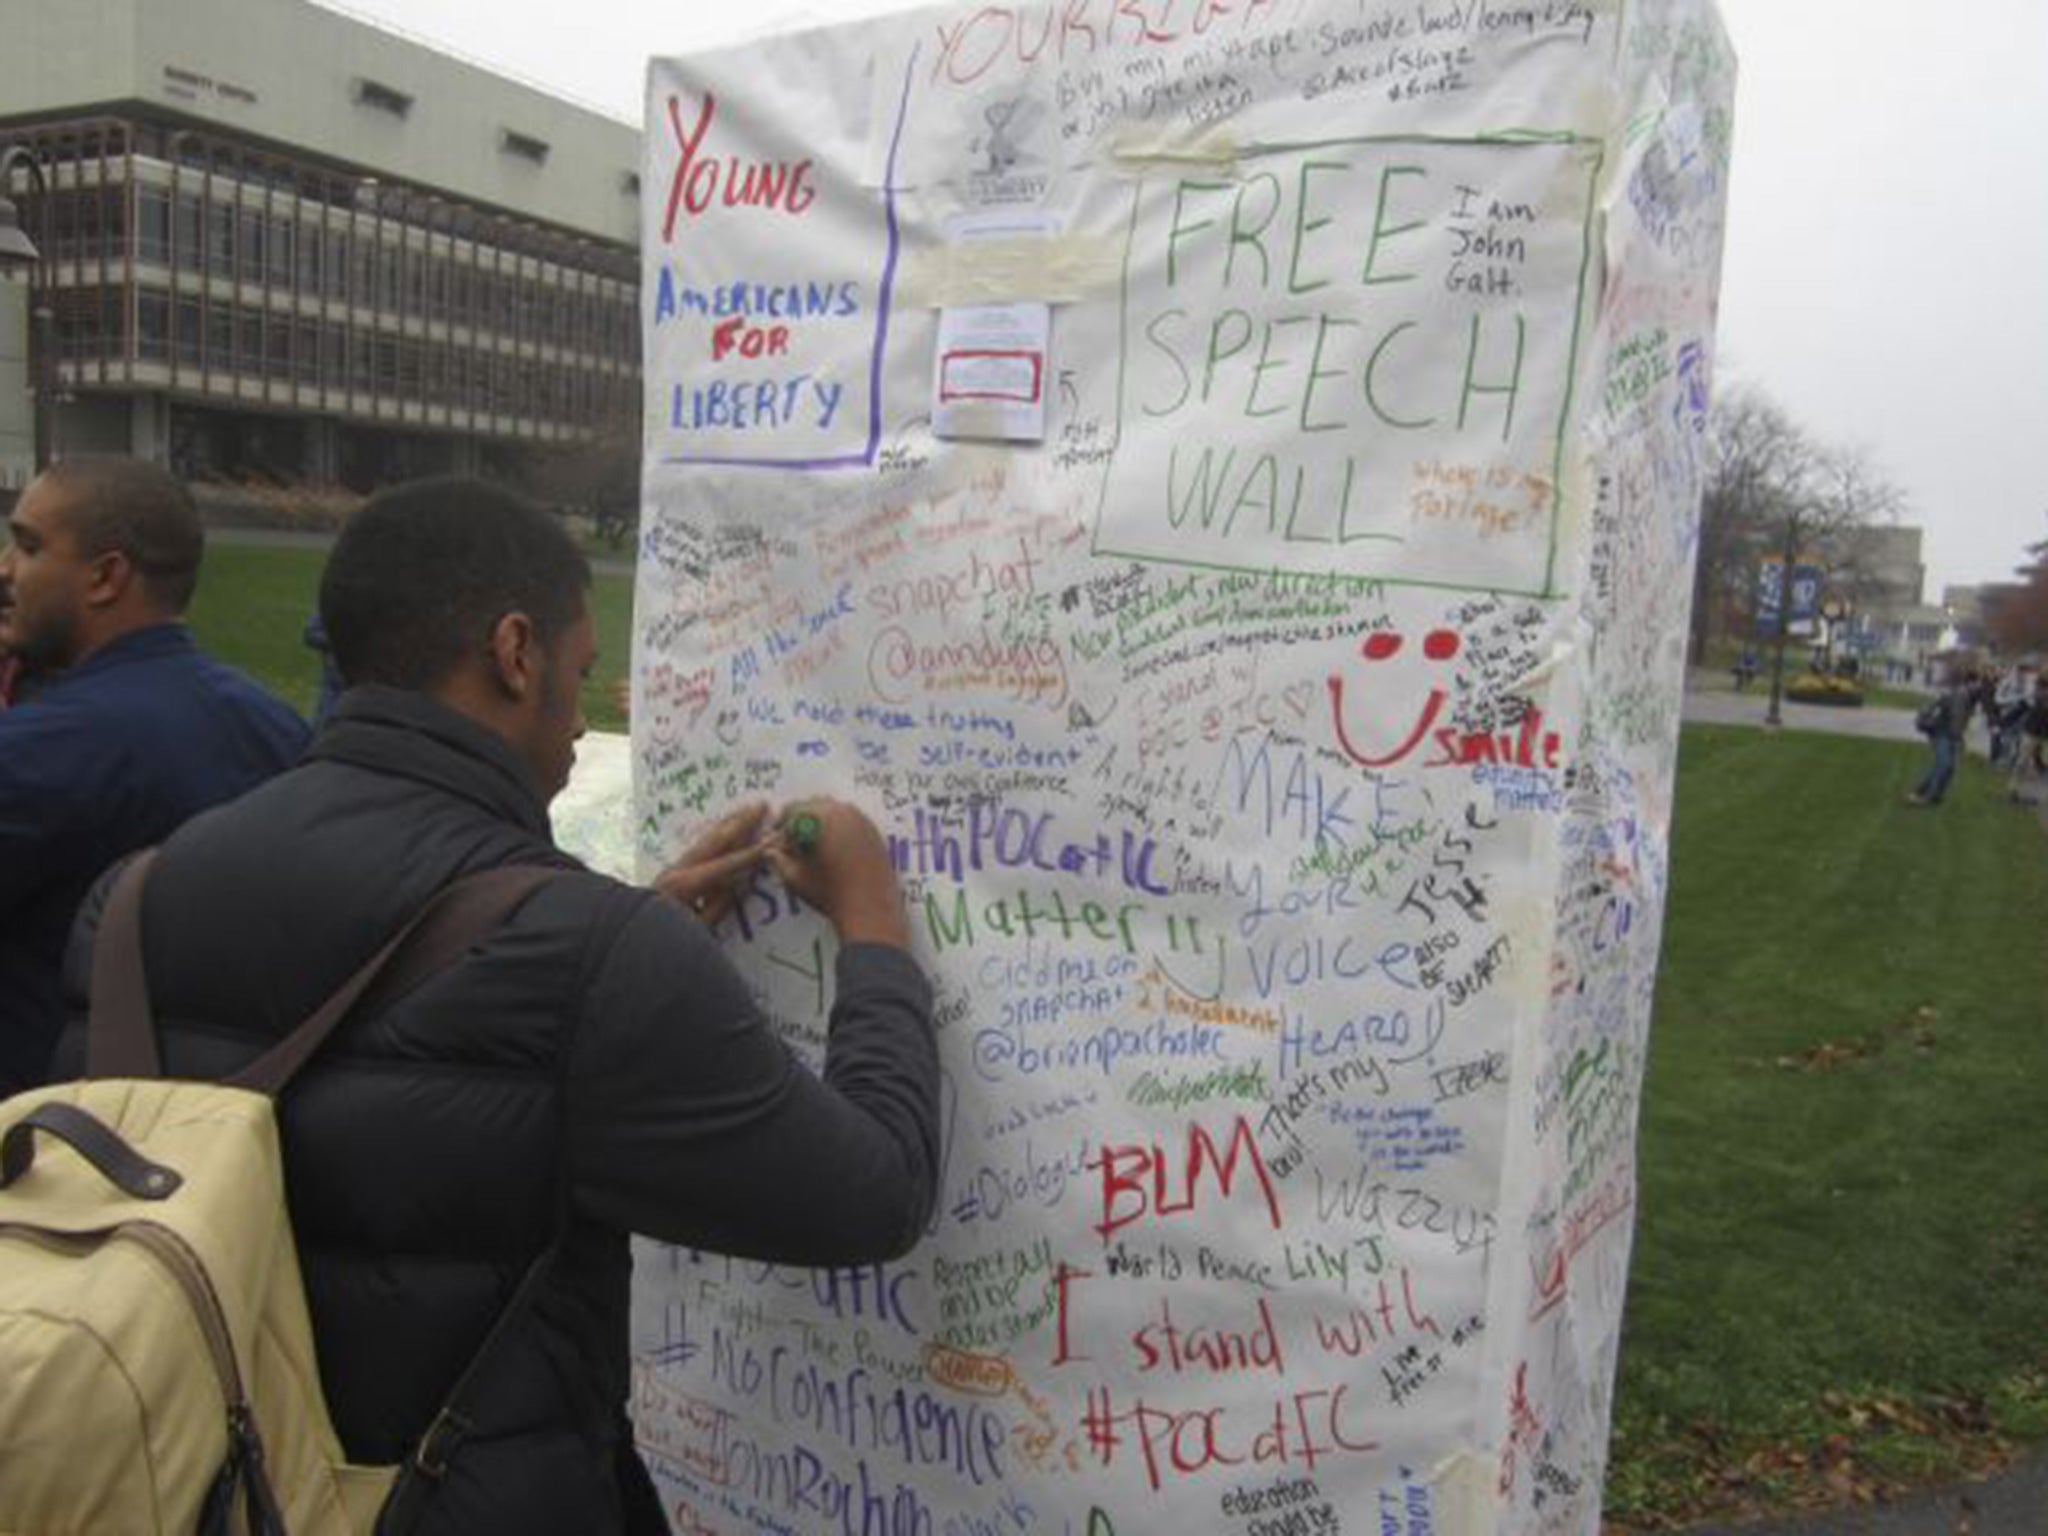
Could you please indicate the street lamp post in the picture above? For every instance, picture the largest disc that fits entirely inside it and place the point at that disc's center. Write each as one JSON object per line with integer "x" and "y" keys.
{"x": 1774, "y": 714}
{"x": 1832, "y": 612}
{"x": 19, "y": 252}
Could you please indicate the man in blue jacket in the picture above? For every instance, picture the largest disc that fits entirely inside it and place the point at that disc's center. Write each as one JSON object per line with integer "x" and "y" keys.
{"x": 134, "y": 732}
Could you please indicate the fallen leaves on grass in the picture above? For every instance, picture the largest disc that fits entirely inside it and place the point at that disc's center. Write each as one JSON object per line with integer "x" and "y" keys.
{"x": 1867, "y": 1449}
{"x": 1916, "y": 1029}
{"x": 1830, "y": 1054}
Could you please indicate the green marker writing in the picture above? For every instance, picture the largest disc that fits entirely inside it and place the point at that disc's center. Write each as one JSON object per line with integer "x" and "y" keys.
{"x": 804, "y": 830}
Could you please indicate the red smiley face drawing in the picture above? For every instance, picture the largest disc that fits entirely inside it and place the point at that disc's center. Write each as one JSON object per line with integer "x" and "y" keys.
{"x": 1438, "y": 645}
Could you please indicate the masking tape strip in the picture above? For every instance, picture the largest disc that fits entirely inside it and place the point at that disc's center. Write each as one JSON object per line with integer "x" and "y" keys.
{"x": 979, "y": 425}
{"x": 1061, "y": 269}
{"x": 1213, "y": 151}
{"x": 1467, "y": 1499}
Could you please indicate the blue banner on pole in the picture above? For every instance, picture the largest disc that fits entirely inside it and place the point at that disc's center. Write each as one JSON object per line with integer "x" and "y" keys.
{"x": 1806, "y": 585}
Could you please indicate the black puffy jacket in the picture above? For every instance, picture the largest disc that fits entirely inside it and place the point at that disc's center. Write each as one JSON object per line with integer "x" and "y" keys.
{"x": 597, "y": 1066}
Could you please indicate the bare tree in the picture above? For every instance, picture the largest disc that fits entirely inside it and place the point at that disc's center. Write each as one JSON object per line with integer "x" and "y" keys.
{"x": 1755, "y": 450}
{"x": 1775, "y": 493}
{"x": 1818, "y": 511}
{"x": 597, "y": 477}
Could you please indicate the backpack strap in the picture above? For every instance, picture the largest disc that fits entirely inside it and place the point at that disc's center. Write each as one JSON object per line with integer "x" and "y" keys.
{"x": 120, "y": 1038}
{"x": 459, "y": 915}
{"x": 121, "y": 1028}
{"x": 419, "y": 1476}
{"x": 121, "y": 1042}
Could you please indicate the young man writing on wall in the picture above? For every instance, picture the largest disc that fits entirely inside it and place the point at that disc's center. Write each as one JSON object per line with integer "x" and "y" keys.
{"x": 595, "y": 1068}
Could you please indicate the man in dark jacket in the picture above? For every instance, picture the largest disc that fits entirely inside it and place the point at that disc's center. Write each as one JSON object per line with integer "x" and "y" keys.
{"x": 132, "y": 731}
{"x": 1944, "y": 720}
{"x": 596, "y": 1068}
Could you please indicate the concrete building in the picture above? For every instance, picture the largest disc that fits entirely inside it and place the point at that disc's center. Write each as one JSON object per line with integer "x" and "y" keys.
{"x": 1881, "y": 571}
{"x": 1968, "y": 607}
{"x": 1906, "y": 644}
{"x": 1880, "y": 567}
{"x": 283, "y": 246}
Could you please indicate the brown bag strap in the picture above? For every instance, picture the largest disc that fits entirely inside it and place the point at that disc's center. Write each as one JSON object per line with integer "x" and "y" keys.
{"x": 120, "y": 1038}
{"x": 122, "y": 1043}
{"x": 121, "y": 1033}
{"x": 448, "y": 925}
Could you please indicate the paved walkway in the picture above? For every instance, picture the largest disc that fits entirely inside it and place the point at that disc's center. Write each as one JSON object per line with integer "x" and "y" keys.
{"x": 1709, "y": 698}
{"x": 2014, "y": 1503}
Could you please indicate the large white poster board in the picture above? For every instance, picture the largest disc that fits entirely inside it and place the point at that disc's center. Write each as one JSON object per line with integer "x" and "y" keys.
{"x": 1216, "y": 480}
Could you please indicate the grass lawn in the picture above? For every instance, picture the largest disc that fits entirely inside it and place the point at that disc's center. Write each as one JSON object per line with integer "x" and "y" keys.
{"x": 254, "y": 601}
{"x": 1841, "y": 1264}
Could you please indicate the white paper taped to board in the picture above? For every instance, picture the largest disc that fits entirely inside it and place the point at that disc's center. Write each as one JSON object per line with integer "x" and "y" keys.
{"x": 990, "y": 377}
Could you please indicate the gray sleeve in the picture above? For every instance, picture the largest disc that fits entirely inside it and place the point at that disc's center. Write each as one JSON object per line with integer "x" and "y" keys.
{"x": 690, "y": 1121}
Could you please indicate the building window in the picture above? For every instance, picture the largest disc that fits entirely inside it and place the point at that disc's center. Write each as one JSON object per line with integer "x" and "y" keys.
{"x": 437, "y": 286}
{"x": 382, "y": 98}
{"x": 78, "y": 324}
{"x": 250, "y": 260}
{"x": 89, "y": 224}
{"x": 153, "y": 225}
{"x": 220, "y": 338}
{"x": 333, "y": 372}
{"x": 186, "y": 229}
{"x": 189, "y": 321}
{"x": 359, "y": 273}
{"x": 523, "y": 145}
{"x": 309, "y": 259}
{"x": 220, "y": 239}
{"x": 278, "y": 237}
{"x": 152, "y": 327}
{"x": 337, "y": 263}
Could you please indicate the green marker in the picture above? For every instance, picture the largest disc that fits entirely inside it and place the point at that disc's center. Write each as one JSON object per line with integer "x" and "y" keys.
{"x": 804, "y": 830}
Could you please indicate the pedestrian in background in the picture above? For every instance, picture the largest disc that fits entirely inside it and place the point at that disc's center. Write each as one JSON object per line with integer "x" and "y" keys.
{"x": 2030, "y": 757}
{"x": 2007, "y": 711}
{"x": 1943, "y": 720}
{"x": 1745, "y": 669}
{"x": 131, "y": 729}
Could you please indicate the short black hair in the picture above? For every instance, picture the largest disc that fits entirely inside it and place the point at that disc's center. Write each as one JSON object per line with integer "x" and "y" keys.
{"x": 134, "y": 508}
{"x": 422, "y": 574}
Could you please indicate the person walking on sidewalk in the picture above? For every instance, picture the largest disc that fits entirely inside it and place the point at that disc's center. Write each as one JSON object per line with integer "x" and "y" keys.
{"x": 1942, "y": 719}
{"x": 2030, "y": 757}
{"x": 131, "y": 728}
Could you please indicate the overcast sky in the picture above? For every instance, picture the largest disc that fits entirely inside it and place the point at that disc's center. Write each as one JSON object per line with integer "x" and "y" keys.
{"x": 1887, "y": 261}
